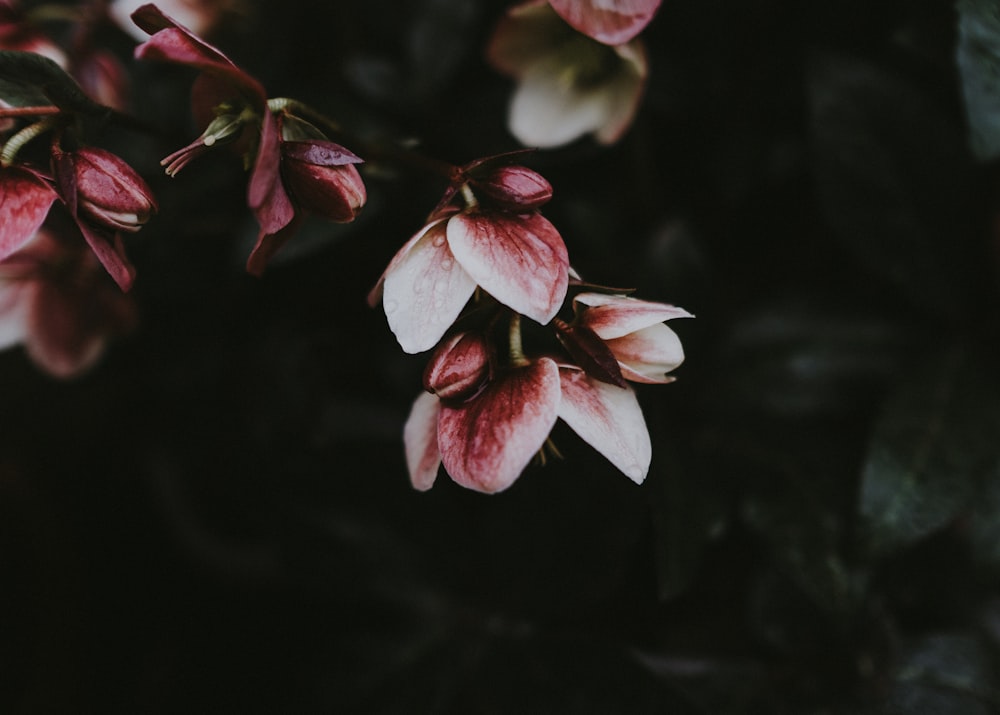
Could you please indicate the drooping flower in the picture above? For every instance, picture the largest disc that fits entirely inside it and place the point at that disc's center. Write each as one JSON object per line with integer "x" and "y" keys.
{"x": 568, "y": 84}
{"x": 613, "y": 22}
{"x": 499, "y": 242}
{"x": 634, "y": 331}
{"x": 58, "y": 302}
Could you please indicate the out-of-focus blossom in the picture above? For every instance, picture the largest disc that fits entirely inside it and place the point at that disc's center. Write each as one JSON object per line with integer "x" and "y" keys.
{"x": 18, "y": 34}
{"x": 613, "y": 22}
{"x": 634, "y": 331}
{"x": 486, "y": 441}
{"x": 513, "y": 253}
{"x": 58, "y": 302}
{"x": 102, "y": 77}
{"x": 568, "y": 84}
{"x": 199, "y": 16}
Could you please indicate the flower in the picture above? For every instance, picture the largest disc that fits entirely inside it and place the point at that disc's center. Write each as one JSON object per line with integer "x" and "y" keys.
{"x": 506, "y": 247}
{"x": 57, "y": 301}
{"x": 633, "y": 330}
{"x": 200, "y": 16}
{"x": 486, "y": 442}
{"x": 612, "y": 22}
{"x": 568, "y": 84}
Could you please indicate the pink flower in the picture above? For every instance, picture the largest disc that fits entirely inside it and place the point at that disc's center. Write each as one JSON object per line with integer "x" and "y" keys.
{"x": 57, "y": 301}
{"x": 508, "y": 250}
{"x": 612, "y": 22}
{"x": 200, "y": 16}
{"x": 102, "y": 77}
{"x": 485, "y": 442}
{"x": 568, "y": 85}
{"x": 633, "y": 331}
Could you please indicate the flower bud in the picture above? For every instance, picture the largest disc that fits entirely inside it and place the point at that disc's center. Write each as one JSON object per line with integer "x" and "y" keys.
{"x": 459, "y": 367}
{"x": 321, "y": 178}
{"x": 516, "y": 188}
{"x": 110, "y": 192}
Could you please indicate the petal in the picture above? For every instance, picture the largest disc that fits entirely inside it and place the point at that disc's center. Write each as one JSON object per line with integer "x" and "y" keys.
{"x": 424, "y": 289}
{"x": 624, "y": 92}
{"x": 612, "y": 316}
{"x": 487, "y": 442}
{"x": 110, "y": 251}
{"x": 267, "y": 245}
{"x": 266, "y": 193}
{"x": 612, "y": 22}
{"x": 519, "y": 259}
{"x": 62, "y": 337}
{"x": 609, "y": 419}
{"x": 420, "y": 439}
{"x": 24, "y": 203}
{"x": 524, "y": 36}
{"x": 648, "y": 354}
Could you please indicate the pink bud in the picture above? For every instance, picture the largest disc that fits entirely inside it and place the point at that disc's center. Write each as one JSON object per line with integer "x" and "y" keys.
{"x": 515, "y": 187}
{"x": 459, "y": 367}
{"x": 110, "y": 192}
{"x": 322, "y": 179}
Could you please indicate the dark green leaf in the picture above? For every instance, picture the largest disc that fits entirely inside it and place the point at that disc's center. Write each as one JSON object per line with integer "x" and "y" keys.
{"x": 29, "y": 79}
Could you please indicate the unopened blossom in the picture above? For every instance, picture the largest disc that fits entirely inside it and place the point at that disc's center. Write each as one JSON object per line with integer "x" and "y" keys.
{"x": 506, "y": 248}
{"x": 634, "y": 331}
{"x": 485, "y": 442}
{"x": 612, "y": 22}
{"x": 58, "y": 302}
{"x": 568, "y": 84}
{"x": 459, "y": 367}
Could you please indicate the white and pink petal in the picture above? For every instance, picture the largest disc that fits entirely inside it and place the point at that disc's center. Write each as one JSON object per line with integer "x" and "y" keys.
{"x": 609, "y": 419}
{"x": 647, "y": 355}
{"x": 420, "y": 441}
{"x": 612, "y": 316}
{"x": 612, "y": 22}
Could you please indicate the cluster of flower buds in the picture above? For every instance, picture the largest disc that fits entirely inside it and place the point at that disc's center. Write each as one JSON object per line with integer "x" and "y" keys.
{"x": 485, "y": 259}
{"x": 296, "y": 169}
{"x": 579, "y": 66}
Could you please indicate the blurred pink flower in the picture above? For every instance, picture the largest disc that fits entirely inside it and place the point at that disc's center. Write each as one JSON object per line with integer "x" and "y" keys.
{"x": 500, "y": 243}
{"x": 486, "y": 441}
{"x": 612, "y": 22}
{"x": 199, "y": 16}
{"x": 568, "y": 84}
{"x": 18, "y": 34}
{"x": 58, "y": 302}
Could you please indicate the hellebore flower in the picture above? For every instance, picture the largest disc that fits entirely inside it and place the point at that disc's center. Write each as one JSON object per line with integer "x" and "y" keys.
{"x": 633, "y": 330}
{"x": 612, "y": 22}
{"x": 568, "y": 85}
{"x": 486, "y": 441}
{"x": 105, "y": 196}
{"x": 57, "y": 301}
{"x": 506, "y": 247}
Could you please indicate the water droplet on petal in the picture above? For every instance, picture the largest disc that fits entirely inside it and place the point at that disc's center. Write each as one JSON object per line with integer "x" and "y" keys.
{"x": 447, "y": 264}
{"x": 438, "y": 240}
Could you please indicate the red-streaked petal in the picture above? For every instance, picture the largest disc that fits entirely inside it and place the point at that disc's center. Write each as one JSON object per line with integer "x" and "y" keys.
{"x": 24, "y": 203}
{"x": 612, "y": 22}
{"x": 612, "y": 316}
{"x": 609, "y": 419}
{"x": 648, "y": 354}
{"x": 171, "y": 42}
{"x": 520, "y": 260}
{"x": 424, "y": 290}
{"x": 110, "y": 251}
{"x": 266, "y": 193}
{"x": 420, "y": 439}
{"x": 487, "y": 442}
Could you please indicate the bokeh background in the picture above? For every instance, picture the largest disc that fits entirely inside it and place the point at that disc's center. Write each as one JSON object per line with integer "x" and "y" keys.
{"x": 218, "y": 518}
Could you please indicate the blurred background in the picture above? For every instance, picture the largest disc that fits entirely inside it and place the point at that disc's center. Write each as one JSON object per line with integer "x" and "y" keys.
{"x": 217, "y": 518}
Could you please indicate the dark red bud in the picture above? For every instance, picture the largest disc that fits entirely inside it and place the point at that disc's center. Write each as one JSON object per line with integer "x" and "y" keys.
{"x": 516, "y": 188}
{"x": 334, "y": 191}
{"x": 458, "y": 367}
{"x": 109, "y": 192}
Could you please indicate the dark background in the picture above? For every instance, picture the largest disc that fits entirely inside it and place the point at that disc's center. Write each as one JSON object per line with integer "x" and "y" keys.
{"x": 218, "y": 517}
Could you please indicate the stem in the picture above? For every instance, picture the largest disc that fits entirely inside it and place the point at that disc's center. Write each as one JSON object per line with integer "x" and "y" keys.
{"x": 14, "y": 144}
{"x": 28, "y": 111}
{"x": 517, "y": 358}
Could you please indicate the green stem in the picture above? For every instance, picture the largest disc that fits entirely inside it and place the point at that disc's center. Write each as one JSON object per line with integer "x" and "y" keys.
{"x": 14, "y": 144}
{"x": 517, "y": 357}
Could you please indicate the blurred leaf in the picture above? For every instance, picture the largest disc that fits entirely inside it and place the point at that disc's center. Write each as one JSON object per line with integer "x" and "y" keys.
{"x": 979, "y": 70}
{"x": 931, "y": 450}
{"x": 26, "y": 78}
{"x": 944, "y": 673}
{"x": 893, "y": 178}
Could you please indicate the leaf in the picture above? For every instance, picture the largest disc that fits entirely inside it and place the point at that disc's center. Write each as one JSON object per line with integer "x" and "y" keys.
{"x": 978, "y": 56}
{"x": 932, "y": 449}
{"x": 26, "y": 78}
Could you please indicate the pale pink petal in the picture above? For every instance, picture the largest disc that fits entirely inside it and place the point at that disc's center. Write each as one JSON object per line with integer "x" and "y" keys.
{"x": 420, "y": 439}
{"x": 612, "y": 22}
{"x": 424, "y": 290}
{"x": 648, "y": 354}
{"x": 487, "y": 442}
{"x": 519, "y": 259}
{"x": 524, "y": 36}
{"x": 609, "y": 419}
{"x": 612, "y": 316}
{"x": 624, "y": 93}
{"x": 24, "y": 203}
